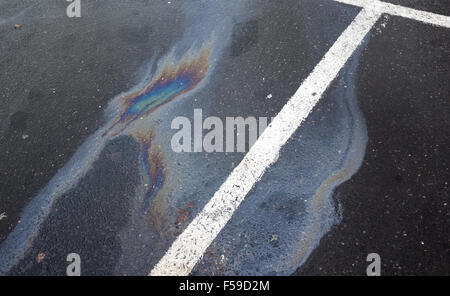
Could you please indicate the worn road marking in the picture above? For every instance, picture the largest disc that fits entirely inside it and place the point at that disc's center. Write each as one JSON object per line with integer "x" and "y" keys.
{"x": 189, "y": 247}
{"x": 3, "y": 216}
{"x": 418, "y": 15}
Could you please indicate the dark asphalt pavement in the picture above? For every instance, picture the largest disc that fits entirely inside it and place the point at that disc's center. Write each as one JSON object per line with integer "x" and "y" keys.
{"x": 397, "y": 204}
{"x": 382, "y": 126}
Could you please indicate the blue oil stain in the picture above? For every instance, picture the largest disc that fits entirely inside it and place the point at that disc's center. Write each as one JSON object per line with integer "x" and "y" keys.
{"x": 275, "y": 230}
{"x": 152, "y": 168}
{"x": 178, "y": 74}
{"x": 178, "y": 77}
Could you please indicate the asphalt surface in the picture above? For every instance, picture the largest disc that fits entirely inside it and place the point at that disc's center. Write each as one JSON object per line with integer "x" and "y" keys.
{"x": 397, "y": 203}
{"x": 382, "y": 126}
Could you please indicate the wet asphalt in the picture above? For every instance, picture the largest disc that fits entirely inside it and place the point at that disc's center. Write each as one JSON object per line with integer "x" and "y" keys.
{"x": 58, "y": 75}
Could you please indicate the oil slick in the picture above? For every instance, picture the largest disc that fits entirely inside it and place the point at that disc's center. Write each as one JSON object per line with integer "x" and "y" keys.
{"x": 180, "y": 73}
{"x": 177, "y": 78}
{"x": 152, "y": 169}
{"x": 174, "y": 80}
{"x": 283, "y": 218}
{"x": 273, "y": 231}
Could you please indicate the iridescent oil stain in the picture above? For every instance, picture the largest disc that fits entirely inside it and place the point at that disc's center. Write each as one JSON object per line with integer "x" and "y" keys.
{"x": 152, "y": 170}
{"x": 177, "y": 77}
{"x": 150, "y": 228}
{"x": 173, "y": 81}
{"x": 178, "y": 74}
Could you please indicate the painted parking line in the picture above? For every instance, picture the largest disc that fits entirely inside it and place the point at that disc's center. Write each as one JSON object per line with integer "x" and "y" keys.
{"x": 189, "y": 247}
{"x": 397, "y": 10}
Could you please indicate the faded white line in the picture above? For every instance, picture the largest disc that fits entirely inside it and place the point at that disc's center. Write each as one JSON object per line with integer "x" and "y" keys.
{"x": 3, "y": 216}
{"x": 189, "y": 247}
{"x": 418, "y": 15}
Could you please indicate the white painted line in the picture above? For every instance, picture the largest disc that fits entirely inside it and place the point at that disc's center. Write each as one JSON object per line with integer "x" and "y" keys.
{"x": 189, "y": 247}
{"x": 418, "y": 15}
